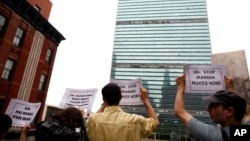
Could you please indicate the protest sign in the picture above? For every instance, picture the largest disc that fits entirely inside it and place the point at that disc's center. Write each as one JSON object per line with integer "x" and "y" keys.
{"x": 204, "y": 78}
{"x": 130, "y": 91}
{"x": 21, "y": 112}
{"x": 79, "y": 98}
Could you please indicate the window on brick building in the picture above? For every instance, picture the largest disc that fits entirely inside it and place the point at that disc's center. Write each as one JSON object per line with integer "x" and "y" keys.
{"x": 8, "y": 68}
{"x": 42, "y": 82}
{"x": 2, "y": 23}
{"x": 48, "y": 56}
{"x": 18, "y": 37}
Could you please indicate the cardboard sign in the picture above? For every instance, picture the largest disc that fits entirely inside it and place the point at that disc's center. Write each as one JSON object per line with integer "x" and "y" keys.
{"x": 79, "y": 98}
{"x": 21, "y": 112}
{"x": 130, "y": 91}
{"x": 204, "y": 78}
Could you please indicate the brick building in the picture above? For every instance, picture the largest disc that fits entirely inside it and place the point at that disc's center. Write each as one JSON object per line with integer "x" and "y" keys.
{"x": 28, "y": 46}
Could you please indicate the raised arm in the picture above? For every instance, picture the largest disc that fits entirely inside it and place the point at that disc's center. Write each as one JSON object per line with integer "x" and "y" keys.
{"x": 147, "y": 104}
{"x": 179, "y": 107}
{"x": 24, "y": 131}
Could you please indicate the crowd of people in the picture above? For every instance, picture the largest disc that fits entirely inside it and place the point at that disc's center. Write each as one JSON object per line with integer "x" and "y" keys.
{"x": 111, "y": 123}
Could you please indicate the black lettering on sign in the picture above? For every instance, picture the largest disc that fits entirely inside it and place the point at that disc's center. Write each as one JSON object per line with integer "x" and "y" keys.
{"x": 85, "y": 101}
{"x": 27, "y": 108}
{"x": 16, "y": 117}
{"x": 205, "y": 77}
{"x": 27, "y": 113}
{"x": 69, "y": 105}
{"x": 125, "y": 96}
{"x": 215, "y": 83}
{"x": 132, "y": 86}
{"x": 134, "y": 96}
{"x": 18, "y": 112}
{"x": 74, "y": 101}
{"x": 80, "y": 95}
{"x": 83, "y": 105}
{"x": 128, "y": 91}
{"x": 196, "y": 71}
{"x": 26, "y": 118}
{"x": 209, "y": 71}
{"x": 199, "y": 83}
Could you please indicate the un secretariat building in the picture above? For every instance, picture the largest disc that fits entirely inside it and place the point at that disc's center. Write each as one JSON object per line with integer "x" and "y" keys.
{"x": 154, "y": 39}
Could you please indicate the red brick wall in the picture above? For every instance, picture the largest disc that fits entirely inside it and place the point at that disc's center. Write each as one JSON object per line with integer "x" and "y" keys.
{"x": 45, "y": 6}
{"x": 10, "y": 89}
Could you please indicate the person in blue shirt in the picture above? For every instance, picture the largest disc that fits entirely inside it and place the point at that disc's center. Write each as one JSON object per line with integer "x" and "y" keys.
{"x": 225, "y": 108}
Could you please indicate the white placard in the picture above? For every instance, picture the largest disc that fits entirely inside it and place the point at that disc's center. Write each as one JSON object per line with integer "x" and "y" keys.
{"x": 130, "y": 91}
{"x": 22, "y": 113}
{"x": 204, "y": 78}
{"x": 79, "y": 98}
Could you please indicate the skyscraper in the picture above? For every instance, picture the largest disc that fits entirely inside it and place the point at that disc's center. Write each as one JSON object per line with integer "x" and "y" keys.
{"x": 154, "y": 39}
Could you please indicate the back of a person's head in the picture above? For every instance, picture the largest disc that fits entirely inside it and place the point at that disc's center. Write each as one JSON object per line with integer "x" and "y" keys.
{"x": 5, "y": 124}
{"x": 69, "y": 117}
{"x": 112, "y": 94}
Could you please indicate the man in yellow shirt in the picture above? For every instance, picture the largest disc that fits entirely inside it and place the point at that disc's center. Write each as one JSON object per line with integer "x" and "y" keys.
{"x": 110, "y": 123}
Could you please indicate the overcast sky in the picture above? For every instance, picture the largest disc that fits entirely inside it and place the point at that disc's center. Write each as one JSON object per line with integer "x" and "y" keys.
{"x": 83, "y": 60}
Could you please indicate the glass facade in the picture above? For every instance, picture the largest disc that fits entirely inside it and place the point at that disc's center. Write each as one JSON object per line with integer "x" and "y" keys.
{"x": 154, "y": 39}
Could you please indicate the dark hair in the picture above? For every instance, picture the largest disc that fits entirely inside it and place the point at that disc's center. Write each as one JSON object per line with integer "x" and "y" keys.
{"x": 5, "y": 123}
{"x": 239, "y": 113}
{"x": 69, "y": 117}
{"x": 237, "y": 102}
{"x": 112, "y": 94}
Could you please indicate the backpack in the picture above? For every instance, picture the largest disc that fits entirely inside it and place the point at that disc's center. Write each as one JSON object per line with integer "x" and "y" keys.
{"x": 53, "y": 130}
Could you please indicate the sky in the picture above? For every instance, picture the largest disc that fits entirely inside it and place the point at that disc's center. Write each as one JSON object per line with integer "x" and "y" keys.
{"x": 83, "y": 60}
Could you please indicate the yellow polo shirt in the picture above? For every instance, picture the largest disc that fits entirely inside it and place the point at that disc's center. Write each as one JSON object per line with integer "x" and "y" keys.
{"x": 115, "y": 125}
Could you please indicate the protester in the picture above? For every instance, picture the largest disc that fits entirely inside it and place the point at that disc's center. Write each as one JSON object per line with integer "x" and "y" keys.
{"x": 62, "y": 127}
{"x": 225, "y": 108}
{"x": 112, "y": 124}
{"x": 5, "y": 124}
